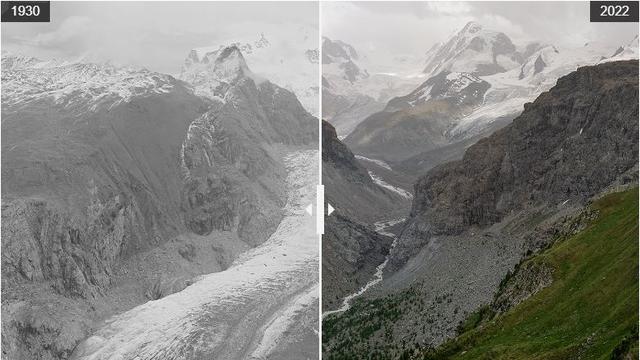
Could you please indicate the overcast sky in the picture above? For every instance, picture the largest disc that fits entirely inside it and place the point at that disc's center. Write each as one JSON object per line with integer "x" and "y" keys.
{"x": 156, "y": 35}
{"x": 413, "y": 27}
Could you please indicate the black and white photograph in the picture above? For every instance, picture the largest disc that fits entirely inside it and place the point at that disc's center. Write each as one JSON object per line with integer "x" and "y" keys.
{"x": 157, "y": 160}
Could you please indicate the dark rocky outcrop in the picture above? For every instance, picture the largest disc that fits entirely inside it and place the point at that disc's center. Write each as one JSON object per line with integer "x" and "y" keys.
{"x": 232, "y": 180}
{"x": 350, "y": 254}
{"x": 350, "y": 189}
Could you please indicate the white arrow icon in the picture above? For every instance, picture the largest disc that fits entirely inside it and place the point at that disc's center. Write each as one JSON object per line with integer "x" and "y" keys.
{"x": 309, "y": 209}
{"x": 329, "y": 209}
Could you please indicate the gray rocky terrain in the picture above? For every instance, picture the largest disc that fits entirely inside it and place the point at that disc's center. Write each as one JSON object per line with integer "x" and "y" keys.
{"x": 568, "y": 145}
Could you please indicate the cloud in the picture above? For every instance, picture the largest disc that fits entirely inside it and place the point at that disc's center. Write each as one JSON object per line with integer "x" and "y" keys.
{"x": 71, "y": 31}
{"x": 388, "y": 29}
{"x": 157, "y": 37}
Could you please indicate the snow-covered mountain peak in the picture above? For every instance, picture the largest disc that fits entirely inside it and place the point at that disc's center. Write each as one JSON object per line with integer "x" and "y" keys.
{"x": 538, "y": 60}
{"x": 245, "y": 46}
{"x": 211, "y": 74}
{"x": 476, "y": 50}
{"x": 471, "y": 27}
{"x": 336, "y": 49}
{"x": 14, "y": 61}
{"x": 230, "y": 65}
{"x": 286, "y": 56}
{"x": 88, "y": 86}
{"x": 340, "y": 59}
{"x": 456, "y": 87}
{"x": 229, "y": 58}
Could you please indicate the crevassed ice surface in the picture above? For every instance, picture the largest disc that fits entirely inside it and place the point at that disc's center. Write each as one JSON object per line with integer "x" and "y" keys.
{"x": 244, "y": 312}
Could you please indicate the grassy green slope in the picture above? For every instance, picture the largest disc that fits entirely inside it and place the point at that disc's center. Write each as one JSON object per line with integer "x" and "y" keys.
{"x": 590, "y": 311}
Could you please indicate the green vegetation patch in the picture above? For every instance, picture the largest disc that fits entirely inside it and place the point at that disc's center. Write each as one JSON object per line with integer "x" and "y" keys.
{"x": 365, "y": 331}
{"x": 589, "y": 311}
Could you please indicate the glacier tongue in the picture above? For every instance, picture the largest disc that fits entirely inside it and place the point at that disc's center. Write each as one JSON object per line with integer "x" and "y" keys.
{"x": 232, "y": 314}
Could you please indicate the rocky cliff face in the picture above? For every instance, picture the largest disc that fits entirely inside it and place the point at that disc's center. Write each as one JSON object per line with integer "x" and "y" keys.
{"x": 568, "y": 145}
{"x": 94, "y": 185}
{"x": 350, "y": 188}
{"x": 232, "y": 178}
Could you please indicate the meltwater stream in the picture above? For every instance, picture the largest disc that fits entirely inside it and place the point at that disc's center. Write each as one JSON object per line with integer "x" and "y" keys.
{"x": 377, "y": 276}
{"x": 252, "y": 310}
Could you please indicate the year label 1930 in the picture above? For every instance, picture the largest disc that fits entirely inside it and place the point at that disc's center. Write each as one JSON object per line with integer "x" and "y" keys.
{"x": 26, "y": 11}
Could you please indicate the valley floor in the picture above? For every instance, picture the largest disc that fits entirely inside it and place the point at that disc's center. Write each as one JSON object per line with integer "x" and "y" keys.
{"x": 381, "y": 227}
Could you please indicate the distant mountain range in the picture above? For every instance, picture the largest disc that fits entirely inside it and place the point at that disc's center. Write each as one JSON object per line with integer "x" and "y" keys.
{"x": 476, "y": 82}
{"x": 350, "y": 92}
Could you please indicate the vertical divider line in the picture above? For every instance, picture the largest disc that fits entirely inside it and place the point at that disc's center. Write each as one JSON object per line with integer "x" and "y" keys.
{"x": 320, "y": 199}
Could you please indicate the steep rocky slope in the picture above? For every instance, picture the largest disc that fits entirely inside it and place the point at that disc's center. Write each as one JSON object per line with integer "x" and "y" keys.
{"x": 474, "y": 219}
{"x": 352, "y": 249}
{"x": 596, "y": 264}
{"x": 350, "y": 188}
{"x": 569, "y": 144}
{"x": 232, "y": 180}
{"x": 120, "y": 185}
{"x": 351, "y": 252}
{"x": 265, "y": 305}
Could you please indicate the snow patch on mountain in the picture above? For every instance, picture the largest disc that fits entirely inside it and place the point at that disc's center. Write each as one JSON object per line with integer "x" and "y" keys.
{"x": 26, "y": 79}
{"x": 380, "y": 182}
